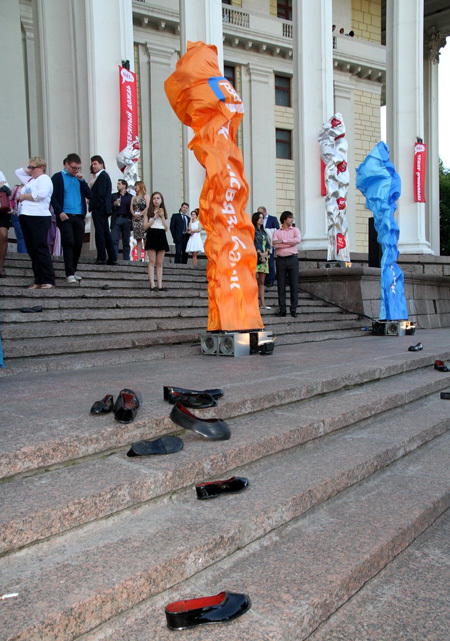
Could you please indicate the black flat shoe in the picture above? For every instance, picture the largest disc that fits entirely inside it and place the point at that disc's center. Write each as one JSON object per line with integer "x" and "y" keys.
{"x": 214, "y": 488}
{"x": 163, "y": 289}
{"x": 445, "y": 396}
{"x": 215, "y": 393}
{"x": 162, "y": 445}
{"x": 442, "y": 367}
{"x": 280, "y": 314}
{"x": 294, "y": 314}
{"x": 415, "y": 348}
{"x": 212, "y": 428}
{"x": 194, "y": 401}
{"x": 31, "y": 310}
{"x": 104, "y": 406}
{"x": 126, "y": 406}
{"x": 220, "y": 608}
{"x": 154, "y": 289}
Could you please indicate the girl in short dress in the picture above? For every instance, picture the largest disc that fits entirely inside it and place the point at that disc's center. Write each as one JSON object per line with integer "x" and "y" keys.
{"x": 262, "y": 246}
{"x": 138, "y": 207}
{"x": 155, "y": 224}
{"x": 195, "y": 243}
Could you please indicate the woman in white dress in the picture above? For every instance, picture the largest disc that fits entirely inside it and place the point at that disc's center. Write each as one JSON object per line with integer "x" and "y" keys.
{"x": 195, "y": 243}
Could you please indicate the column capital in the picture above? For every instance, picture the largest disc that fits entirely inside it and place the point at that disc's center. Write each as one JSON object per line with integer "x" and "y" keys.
{"x": 160, "y": 53}
{"x": 433, "y": 41}
{"x": 259, "y": 73}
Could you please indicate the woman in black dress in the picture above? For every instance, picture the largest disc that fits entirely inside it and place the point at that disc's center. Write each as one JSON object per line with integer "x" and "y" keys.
{"x": 155, "y": 224}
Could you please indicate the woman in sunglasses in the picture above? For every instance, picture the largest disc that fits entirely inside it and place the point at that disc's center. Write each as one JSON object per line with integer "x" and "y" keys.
{"x": 35, "y": 219}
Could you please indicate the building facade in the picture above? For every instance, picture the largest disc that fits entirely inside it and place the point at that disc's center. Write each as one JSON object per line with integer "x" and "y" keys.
{"x": 292, "y": 69}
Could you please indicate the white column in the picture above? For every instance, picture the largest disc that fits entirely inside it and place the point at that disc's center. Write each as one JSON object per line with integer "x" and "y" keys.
{"x": 261, "y": 118}
{"x": 164, "y": 128}
{"x": 313, "y": 105}
{"x": 199, "y": 20}
{"x": 14, "y": 151}
{"x": 433, "y": 41}
{"x": 108, "y": 43}
{"x": 405, "y": 122}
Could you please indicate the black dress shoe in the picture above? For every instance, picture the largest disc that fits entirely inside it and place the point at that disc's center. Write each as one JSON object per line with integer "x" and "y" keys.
{"x": 415, "y": 348}
{"x": 212, "y": 428}
{"x": 215, "y": 393}
{"x": 294, "y": 314}
{"x": 111, "y": 262}
{"x": 280, "y": 314}
{"x": 214, "y": 488}
{"x": 104, "y": 406}
{"x": 126, "y": 406}
{"x": 31, "y": 310}
{"x": 442, "y": 367}
{"x": 219, "y": 608}
{"x": 445, "y": 396}
{"x": 100, "y": 262}
{"x": 162, "y": 445}
{"x": 194, "y": 401}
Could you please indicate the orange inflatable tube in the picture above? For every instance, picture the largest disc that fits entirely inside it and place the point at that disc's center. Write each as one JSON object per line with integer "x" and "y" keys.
{"x": 207, "y": 102}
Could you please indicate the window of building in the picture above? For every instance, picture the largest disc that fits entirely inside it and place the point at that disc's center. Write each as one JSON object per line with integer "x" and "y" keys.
{"x": 282, "y": 91}
{"x": 284, "y": 9}
{"x": 284, "y": 143}
{"x": 226, "y": 1}
{"x": 229, "y": 72}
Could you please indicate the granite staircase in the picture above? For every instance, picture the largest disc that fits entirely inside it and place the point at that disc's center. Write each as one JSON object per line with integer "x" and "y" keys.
{"x": 346, "y": 447}
{"x": 113, "y": 317}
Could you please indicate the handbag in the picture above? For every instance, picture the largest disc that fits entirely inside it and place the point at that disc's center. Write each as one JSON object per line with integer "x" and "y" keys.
{"x": 5, "y": 203}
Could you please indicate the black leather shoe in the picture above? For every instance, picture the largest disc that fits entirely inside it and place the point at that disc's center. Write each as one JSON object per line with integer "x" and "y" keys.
{"x": 126, "y": 406}
{"x": 215, "y": 393}
{"x": 162, "y": 445}
{"x": 445, "y": 396}
{"x": 442, "y": 367}
{"x": 294, "y": 314}
{"x": 220, "y": 608}
{"x": 212, "y": 428}
{"x": 214, "y": 488}
{"x": 100, "y": 262}
{"x": 280, "y": 314}
{"x": 415, "y": 348}
{"x": 194, "y": 401}
{"x": 31, "y": 310}
{"x": 104, "y": 406}
{"x": 111, "y": 262}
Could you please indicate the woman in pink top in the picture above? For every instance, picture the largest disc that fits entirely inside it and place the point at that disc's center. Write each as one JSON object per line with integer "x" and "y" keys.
{"x": 286, "y": 241}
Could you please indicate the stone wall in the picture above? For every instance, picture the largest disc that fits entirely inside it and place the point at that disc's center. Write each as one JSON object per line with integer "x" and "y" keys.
{"x": 366, "y": 19}
{"x": 358, "y": 288}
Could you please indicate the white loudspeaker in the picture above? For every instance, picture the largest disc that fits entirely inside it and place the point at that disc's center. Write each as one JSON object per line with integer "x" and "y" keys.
{"x": 209, "y": 344}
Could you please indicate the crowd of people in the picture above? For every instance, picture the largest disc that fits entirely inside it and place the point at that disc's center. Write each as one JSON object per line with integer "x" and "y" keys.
{"x": 67, "y": 196}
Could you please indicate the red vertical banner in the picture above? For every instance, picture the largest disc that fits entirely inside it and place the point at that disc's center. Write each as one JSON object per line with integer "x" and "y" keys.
{"x": 323, "y": 187}
{"x": 420, "y": 159}
{"x": 128, "y": 108}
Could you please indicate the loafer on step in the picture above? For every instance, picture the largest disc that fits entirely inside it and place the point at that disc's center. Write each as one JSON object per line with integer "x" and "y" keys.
{"x": 214, "y": 488}
{"x": 415, "y": 348}
{"x": 194, "y": 401}
{"x": 126, "y": 406}
{"x": 442, "y": 367}
{"x": 213, "y": 429}
{"x": 104, "y": 406}
{"x": 220, "y": 608}
{"x": 162, "y": 445}
{"x": 215, "y": 393}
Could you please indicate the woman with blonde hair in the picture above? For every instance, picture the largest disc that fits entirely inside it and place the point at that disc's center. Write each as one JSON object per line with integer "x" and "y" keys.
{"x": 138, "y": 208}
{"x": 155, "y": 224}
{"x": 35, "y": 219}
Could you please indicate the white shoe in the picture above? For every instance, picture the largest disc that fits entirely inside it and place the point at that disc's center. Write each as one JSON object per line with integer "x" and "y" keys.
{"x": 78, "y": 277}
{"x": 71, "y": 279}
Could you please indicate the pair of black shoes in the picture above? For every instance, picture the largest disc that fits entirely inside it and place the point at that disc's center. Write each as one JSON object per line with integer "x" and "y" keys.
{"x": 213, "y": 429}
{"x": 125, "y": 408}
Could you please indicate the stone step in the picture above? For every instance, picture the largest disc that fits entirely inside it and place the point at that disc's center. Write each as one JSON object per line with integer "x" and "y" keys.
{"x": 49, "y": 323}
{"x": 40, "y": 506}
{"x": 69, "y": 395}
{"x": 415, "y": 581}
{"x": 70, "y": 585}
{"x": 295, "y": 577}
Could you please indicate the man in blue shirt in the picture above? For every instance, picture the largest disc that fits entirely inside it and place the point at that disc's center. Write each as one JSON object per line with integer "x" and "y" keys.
{"x": 70, "y": 191}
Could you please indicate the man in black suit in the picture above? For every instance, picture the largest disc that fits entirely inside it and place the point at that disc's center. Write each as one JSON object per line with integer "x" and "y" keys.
{"x": 121, "y": 218}
{"x": 179, "y": 230}
{"x": 101, "y": 208}
{"x": 270, "y": 223}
